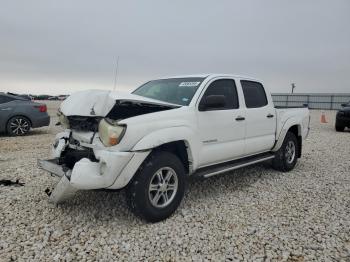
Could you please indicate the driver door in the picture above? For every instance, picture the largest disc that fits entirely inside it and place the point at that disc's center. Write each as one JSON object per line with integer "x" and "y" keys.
{"x": 221, "y": 130}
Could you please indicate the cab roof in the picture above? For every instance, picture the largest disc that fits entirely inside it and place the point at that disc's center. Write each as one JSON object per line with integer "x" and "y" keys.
{"x": 212, "y": 75}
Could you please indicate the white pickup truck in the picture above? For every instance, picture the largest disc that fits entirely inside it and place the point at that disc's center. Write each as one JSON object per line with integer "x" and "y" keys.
{"x": 150, "y": 141}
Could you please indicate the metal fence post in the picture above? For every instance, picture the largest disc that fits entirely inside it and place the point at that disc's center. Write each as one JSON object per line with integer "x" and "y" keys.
{"x": 332, "y": 98}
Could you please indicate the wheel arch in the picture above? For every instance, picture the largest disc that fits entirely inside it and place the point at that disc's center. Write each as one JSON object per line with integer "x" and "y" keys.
{"x": 180, "y": 149}
{"x": 290, "y": 126}
{"x": 19, "y": 115}
{"x": 178, "y": 140}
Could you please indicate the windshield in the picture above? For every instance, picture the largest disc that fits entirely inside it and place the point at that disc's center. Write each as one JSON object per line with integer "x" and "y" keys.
{"x": 173, "y": 90}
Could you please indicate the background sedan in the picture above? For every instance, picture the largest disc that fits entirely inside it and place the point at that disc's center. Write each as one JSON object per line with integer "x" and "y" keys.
{"x": 18, "y": 115}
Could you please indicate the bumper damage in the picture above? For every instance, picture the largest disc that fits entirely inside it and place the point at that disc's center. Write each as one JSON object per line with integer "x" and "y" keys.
{"x": 63, "y": 189}
{"x": 79, "y": 170}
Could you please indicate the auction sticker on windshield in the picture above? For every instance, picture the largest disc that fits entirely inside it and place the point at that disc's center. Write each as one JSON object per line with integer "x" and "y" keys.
{"x": 189, "y": 83}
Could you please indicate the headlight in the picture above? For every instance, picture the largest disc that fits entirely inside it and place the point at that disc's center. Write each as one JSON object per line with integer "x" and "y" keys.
{"x": 63, "y": 119}
{"x": 110, "y": 132}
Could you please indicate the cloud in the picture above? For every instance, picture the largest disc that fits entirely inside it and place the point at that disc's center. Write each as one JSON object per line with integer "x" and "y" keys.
{"x": 64, "y": 46}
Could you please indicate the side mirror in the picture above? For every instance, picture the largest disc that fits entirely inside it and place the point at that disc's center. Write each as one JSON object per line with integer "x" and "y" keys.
{"x": 344, "y": 105}
{"x": 212, "y": 102}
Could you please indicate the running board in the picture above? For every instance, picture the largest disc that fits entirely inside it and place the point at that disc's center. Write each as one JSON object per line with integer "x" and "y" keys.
{"x": 213, "y": 170}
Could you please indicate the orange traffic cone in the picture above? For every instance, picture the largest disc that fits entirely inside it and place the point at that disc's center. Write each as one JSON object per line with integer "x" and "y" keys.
{"x": 323, "y": 118}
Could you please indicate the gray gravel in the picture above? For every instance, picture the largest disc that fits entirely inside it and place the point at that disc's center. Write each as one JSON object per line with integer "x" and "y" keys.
{"x": 250, "y": 214}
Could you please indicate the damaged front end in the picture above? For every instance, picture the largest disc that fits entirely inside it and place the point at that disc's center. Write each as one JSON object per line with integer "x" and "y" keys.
{"x": 83, "y": 155}
{"x": 62, "y": 165}
{"x": 83, "y": 168}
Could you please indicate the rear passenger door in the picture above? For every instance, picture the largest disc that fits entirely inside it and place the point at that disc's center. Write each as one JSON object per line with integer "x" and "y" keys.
{"x": 260, "y": 118}
{"x": 221, "y": 130}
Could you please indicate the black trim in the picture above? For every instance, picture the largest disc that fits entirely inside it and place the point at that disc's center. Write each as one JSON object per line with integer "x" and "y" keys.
{"x": 240, "y": 118}
{"x": 286, "y": 107}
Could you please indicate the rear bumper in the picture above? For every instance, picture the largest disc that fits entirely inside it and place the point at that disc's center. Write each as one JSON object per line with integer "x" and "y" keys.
{"x": 41, "y": 121}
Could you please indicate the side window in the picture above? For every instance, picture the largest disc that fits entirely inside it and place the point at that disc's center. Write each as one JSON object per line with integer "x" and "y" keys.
{"x": 254, "y": 94}
{"x": 225, "y": 87}
{"x": 5, "y": 99}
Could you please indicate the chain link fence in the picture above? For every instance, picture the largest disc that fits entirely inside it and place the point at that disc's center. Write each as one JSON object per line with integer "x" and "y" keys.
{"x": 314, "y": 101}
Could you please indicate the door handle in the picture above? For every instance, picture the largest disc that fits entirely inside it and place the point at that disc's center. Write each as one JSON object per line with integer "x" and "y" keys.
{"x": 240, "y": 118}
{"x": 270, "y": 116}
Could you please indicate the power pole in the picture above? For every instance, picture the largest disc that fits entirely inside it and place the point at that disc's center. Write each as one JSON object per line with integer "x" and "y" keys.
{"x": 293, "y": 87}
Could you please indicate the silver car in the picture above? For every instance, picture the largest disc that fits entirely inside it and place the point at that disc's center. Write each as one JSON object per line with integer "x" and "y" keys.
{"x": 18, "y": 115}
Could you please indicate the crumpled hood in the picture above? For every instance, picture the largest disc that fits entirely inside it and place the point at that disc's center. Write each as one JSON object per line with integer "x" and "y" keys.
{"x": 99, "y": 102}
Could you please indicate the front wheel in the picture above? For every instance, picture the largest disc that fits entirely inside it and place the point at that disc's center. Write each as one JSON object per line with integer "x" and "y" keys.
{"x": 286, "y": 157}
{"x": 157, "y": 188}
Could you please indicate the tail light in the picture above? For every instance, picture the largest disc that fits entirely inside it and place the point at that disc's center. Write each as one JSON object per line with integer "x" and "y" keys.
{"x": 42, "y": 108}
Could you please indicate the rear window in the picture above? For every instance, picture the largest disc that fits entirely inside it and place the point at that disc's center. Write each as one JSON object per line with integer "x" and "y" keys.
{"x": 5, "y": 99}
{"x": 254, "y": 94}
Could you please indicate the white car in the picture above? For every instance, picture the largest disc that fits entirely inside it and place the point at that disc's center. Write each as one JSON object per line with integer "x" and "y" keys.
{"x": 150, "y": 141}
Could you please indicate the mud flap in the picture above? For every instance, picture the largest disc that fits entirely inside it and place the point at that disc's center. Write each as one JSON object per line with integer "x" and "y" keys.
{"x": 63, "y": 191}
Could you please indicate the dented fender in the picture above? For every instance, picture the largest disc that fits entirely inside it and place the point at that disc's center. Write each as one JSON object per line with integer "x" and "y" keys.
{"x": 171, "y": 134}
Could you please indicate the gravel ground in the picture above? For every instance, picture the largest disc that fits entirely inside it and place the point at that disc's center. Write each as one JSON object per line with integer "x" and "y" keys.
{"x": 254, "y": 213}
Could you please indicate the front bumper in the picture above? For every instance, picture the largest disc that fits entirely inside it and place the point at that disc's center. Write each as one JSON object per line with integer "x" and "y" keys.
{"x": 52, "y": 166}
{"x": 108, "y": 170}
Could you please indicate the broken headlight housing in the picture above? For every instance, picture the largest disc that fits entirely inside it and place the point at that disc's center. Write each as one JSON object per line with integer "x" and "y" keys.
{"x": 63, "y": 120}
{"x": 110, "y": 132}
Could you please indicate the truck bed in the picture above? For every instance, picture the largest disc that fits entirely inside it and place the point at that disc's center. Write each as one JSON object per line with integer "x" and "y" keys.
{"x": 292, "y": 115}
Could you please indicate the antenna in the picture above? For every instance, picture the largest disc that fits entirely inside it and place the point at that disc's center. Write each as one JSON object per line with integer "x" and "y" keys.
{"x": 116, "y": 74}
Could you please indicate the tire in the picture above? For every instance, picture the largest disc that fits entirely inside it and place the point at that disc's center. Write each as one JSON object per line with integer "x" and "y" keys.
{"x": 150, "y": 183}
{"x": 18, "y": 126}
{"x": 339, "y": 128}
{"x": 287, "y": 156}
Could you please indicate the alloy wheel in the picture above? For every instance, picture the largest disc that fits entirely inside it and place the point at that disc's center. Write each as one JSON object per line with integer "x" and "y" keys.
{"x": 290, "y": 152}
{"x": 19, "y": 126}
{"x": 163, "y": 187}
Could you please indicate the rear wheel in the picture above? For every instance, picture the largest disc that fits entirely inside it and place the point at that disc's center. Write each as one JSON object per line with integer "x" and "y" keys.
{"x": 18, "y": 126}
{"x": 157, "y": 188}
{"x": 286, "y": 157}
{"x": 339, "y": 127}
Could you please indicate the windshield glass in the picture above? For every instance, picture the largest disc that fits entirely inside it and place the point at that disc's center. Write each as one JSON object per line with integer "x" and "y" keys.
{"x": 173, "y": 90}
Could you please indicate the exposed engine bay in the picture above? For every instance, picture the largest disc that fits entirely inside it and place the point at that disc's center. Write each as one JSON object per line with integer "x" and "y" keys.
{"x": 126, "y": 109}
{"x": 84, "y": 123}
{"x": 121, "y": 110}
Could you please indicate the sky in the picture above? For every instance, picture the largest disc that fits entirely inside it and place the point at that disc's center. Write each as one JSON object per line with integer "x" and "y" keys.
{"x": 60, "y": 47}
